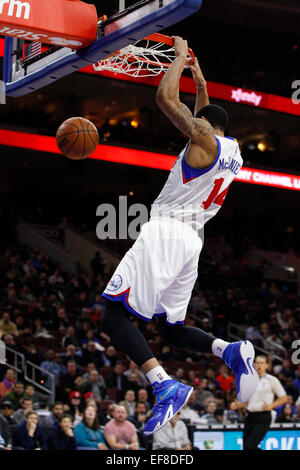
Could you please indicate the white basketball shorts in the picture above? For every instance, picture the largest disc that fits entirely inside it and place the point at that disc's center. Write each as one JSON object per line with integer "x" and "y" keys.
{"x": 157, "y": 275}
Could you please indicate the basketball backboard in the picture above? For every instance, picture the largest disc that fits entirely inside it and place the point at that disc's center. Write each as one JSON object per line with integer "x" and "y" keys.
{"x": 134, "y": 21}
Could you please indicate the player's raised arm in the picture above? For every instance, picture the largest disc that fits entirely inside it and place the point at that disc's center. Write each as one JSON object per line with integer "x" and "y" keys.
{"x": 202, "y": 98}
{"x": 199, "y": 131}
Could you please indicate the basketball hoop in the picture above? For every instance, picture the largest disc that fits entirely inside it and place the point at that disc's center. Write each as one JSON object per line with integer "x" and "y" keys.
{"x": 146, "y": 58}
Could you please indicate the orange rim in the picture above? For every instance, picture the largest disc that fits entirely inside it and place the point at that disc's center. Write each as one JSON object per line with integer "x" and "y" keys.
{"x": 156, "y": 37}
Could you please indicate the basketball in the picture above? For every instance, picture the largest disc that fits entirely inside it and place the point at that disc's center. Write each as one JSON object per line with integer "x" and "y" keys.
{"x": 77, "y": 138}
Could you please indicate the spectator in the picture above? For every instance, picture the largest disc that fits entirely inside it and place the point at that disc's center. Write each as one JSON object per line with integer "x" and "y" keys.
{"x": 142, "y": 397}
{"x": 120, "y": 433}
{"x": 33, "y": 355}
{"x": 212, "y": 384}
{"x": 254, "y": 335}
{"x": 166, "y": 353}
{"x": 39, "y": 330}
{"x": 39, "y": 400}
{"x": 90, "y": 366}
{"x": 70, "y": 338}
{"x": 67, "y": 380}
{"x": 172, "y": 436}
{"x": 56, "y": 278}
{"x": 129, "y": 402}
{"x": 290, "y": 401}
{"x": 284, "y": 369}
{"x": 142, "y": 380}
{"x": 16, "y": 394}
{"x": 286, "y": 415}
{"x": 6, "y": 431}
{"x": 133, "y": 382}
{"x": 60, "y": 321}
{"x": 75, "y": 408}
{"x": 111, "y": 357}
{"x": 179, "y": 374}
{"x": 209, "y": 414}
{"x": 297, "y": 413}
{"x": 117, "y": 379}
{"x": 219, "y": 415}
{"x": 57, "y": 410}
{"x": 88, "y": 434}
{"x": 109, "y": 414}
{"x": 22, "y": 326}
{"x": 225, "y": 380}
{"x": 90, "y": 336}
{"x": 191, "y": 416}
{"x": 8, "y": 382}
{"x": 290, "y": 388}
{"x": 61, "y": 436}
{"x": 53, "y": 366}
{"x": 7, "y": 412}
{"x": 29, "y": 434}
{"x": 139, "y": 417}
{"x": 296, "y": 383}
{"x": 193, "y": 403}
{"x": 7, "y": 326}
{"x": 71, "y": 355}
{"x": 91, "y": 354}
{"x": 96, "y": 385}
{"x": 202, "y": 393}
{"x": 26, "y": 404}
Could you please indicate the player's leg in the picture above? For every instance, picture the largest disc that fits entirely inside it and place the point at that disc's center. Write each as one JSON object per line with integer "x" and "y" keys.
{"x": 170, "y": 395}
{"x": 239, "y": 356}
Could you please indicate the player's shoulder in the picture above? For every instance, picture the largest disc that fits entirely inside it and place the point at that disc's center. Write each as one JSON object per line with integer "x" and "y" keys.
{"x": 272, "y": 378}
{"x": 229, "y": 145}
{"x": 228, "y": 140}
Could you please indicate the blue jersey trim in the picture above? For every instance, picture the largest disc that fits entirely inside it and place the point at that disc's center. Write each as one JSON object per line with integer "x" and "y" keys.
{"x": 230, "y": 138}
{"x": 189, "y": 172}
{"x": 123, "y": 298}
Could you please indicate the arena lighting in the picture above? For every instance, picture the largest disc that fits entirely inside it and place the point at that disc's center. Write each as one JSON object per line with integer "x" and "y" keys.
{"x": 142, "y": 158}
{"x": 261, "y": 146}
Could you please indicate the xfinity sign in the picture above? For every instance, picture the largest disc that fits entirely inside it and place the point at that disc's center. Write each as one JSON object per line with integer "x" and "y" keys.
{"x": 15, "y": 8}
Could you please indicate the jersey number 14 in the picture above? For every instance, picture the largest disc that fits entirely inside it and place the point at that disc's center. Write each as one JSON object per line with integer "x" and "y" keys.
{"x": 216, "y": 197}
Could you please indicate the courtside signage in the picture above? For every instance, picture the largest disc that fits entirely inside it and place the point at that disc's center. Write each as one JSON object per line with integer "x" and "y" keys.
{"x": 159, "y": 161}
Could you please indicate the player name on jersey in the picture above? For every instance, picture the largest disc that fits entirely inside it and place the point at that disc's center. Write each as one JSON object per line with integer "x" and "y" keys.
{"x": 231, "y": 164}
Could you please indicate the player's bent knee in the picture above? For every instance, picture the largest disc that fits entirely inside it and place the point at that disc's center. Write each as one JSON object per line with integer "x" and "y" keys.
{"x": 168, "y": 333}
{"x": 112, "y": 313}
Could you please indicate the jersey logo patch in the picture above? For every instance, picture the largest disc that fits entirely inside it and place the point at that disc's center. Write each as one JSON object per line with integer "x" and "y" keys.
{"x": 115, "y": 283}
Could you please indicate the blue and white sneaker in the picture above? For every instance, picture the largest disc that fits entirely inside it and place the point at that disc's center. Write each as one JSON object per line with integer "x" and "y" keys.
{"x": 171, "y": 396}
{"x": 239, "y": 357}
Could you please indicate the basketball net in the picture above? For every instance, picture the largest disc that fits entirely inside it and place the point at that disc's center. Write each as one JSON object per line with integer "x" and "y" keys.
{"x": 146, "y": 58}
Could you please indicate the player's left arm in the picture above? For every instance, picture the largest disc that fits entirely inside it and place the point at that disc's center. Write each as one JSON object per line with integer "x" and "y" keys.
{"x": 202, "y": 98}
{"x": 199, "y": 131}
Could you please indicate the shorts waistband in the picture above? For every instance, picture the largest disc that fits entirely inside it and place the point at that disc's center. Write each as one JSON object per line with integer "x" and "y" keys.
{"x": 175, "y": 221}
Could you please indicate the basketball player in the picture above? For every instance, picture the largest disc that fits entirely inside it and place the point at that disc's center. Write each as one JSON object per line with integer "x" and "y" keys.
{"x": 259, "y": 407}
{"x": 156, "y": 276}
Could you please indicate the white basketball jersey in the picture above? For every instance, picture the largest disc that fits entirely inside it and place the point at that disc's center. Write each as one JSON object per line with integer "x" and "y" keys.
{"x": 194, "y": 195}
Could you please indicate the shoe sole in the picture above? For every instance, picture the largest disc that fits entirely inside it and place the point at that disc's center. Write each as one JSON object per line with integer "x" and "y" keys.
{"x": 148, "y": 433}
{"x": 248, "y": 382}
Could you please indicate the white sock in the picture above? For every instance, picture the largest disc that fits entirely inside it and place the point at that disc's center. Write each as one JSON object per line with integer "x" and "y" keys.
{"x": 158, "y": 374}
{"x": 218, "y": 347}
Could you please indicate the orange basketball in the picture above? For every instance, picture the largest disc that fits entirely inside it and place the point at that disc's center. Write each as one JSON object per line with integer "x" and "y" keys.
{"x": 77, "y": 138}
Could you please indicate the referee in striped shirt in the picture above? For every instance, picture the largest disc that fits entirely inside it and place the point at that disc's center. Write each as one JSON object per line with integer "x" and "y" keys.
{"x": 259, "y": 407}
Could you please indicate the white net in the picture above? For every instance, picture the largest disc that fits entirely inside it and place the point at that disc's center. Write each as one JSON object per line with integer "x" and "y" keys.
{"x": 145, "y": 58}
